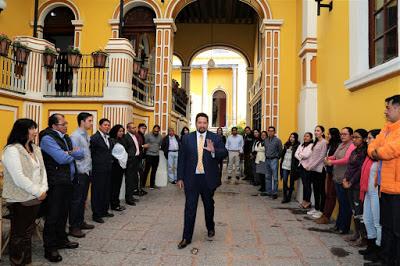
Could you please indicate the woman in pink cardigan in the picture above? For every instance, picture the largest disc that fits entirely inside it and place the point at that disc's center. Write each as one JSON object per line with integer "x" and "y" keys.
{"x": 317, "y": 173}
{"x": 303, "y": 154}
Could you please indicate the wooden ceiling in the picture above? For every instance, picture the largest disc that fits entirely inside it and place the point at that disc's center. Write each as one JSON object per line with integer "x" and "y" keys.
{"x": 218, "y": 12}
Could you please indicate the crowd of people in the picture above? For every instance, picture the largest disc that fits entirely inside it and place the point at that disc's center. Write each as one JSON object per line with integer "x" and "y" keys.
{"x": 356, "y": 169}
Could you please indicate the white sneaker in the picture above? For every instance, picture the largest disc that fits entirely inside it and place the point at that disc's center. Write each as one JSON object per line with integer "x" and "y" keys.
{"x": 317, "y": 215}
{"x": 312, "y": 211}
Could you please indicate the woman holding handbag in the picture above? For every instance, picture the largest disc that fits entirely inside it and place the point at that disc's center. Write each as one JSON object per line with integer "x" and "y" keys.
{"x": 25, "y": 186}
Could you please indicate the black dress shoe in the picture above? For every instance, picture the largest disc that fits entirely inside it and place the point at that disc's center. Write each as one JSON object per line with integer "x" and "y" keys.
{"x": 98, "y": 220}
{"x": 274, "y": 196}
{"x": 285, "y": 200}
{"x": 107, "y": 214}
{"x": 52, "y": 256}
{"x": 211, "y": 233}
{"x": 69, "y": 245}
{"x": 86, "y": 226}
{"x": 118, "y": 209}
{"x": 130, "y": 202}
{"x": 76, "y": 232}
{"x": 183, "y": 243}
{"x": 144, "y": 192}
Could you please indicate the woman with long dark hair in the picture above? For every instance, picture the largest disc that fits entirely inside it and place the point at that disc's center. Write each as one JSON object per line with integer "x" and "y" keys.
{"x": 333, "y": 139}
{"x": 289, "y": 164}
{"x": 339, "y": 161}
{"x": 24, "y": 187}
{"x": 303, "y": 154}
{"x": 184, "y": 131}
{"x": 257, "y": 138}
{"x": 120, "y": 158}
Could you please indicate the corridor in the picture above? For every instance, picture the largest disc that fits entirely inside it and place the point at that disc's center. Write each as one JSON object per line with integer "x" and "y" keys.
{"x": 250, "y": 230}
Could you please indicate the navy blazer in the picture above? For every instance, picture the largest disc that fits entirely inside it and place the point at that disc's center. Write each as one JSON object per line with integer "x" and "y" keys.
{"x": 187, "y": 160}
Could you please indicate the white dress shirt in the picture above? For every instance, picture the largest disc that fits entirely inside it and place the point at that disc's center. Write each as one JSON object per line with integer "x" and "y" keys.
{"x": 136, "y": 143}
{"x": 105, "y": 137}
{"x": 198, "y": 134}
{"x": 173, "y": 144}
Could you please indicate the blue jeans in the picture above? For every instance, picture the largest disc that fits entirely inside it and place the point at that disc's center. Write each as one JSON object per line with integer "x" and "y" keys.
{"x": 271, "y": 176}
{"x": 172, "y": 166}
{"x": 372, "y": 212}
{"x": 343, "y": 220}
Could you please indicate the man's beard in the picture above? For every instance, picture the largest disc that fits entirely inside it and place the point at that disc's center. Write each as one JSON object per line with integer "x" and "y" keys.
{"x": 202, "y": 130}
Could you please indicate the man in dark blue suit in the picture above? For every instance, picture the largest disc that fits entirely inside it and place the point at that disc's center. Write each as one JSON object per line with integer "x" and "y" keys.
{"x": 198, "y": 171}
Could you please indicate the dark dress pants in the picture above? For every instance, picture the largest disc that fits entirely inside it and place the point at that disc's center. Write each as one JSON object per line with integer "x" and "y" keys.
{"x": 318, "y": 184}
{"x": 330, "y": 200}
{"x": 151, "y": 162}
{"x": 117, "y": 174}
{"x": 199, "y": 188}
{"x": 390, "y": 217}
{"x": 131, "y": 177}
{"x": 58, "y": 204}
{"x": 22, "y": 227}
{"x": 79, "y": 195}
{"x": 101, "y": 192}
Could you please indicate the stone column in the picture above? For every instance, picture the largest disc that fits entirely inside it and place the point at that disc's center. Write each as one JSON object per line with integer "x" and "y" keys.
{"x": 204, "y": 100}
{"x": 165, "y": 29}
{"x": 234, "y": 95}
{"x": 271, "y": 29}
{"x": 250, "y": 77}
{"x": 185, "y": 80}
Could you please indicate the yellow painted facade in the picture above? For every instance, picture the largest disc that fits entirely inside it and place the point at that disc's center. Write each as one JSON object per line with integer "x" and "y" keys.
{"x": 337, "y": 106}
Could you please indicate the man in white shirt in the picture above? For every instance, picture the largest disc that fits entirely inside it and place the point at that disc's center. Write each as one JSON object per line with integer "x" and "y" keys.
{"x": 234, "y": 145}
{"x": 170, "y": 147}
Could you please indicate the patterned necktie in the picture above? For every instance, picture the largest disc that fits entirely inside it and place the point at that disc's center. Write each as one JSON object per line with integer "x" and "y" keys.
{"x": 200, "y": 145}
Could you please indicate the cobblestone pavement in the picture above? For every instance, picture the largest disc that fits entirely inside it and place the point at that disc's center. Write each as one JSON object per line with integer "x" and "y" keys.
{"x": 250, "y": 230}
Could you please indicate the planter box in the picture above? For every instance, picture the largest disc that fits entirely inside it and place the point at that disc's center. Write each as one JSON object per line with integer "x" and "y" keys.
{"x": 49, "y": 60}
{"x": 21, "y": 55}
{"x": 143, "y": 73}
{"x": 4, "y": 47}
{"x": 99, "y": 60}
{"x": 74, "y": 60}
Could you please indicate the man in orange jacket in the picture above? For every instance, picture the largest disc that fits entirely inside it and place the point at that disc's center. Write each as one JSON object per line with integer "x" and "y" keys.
{"x": 386, "y": 148}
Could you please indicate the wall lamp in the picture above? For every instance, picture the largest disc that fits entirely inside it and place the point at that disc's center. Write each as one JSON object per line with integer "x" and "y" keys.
{"x": 3, "y": 5}
{"x": 330, "y": 6}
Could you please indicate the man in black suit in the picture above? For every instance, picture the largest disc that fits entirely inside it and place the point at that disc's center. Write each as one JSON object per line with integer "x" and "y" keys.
{"x": 100, "y": 148}
{"x": 198, "y": 170}
{"x": 132, "y": 147}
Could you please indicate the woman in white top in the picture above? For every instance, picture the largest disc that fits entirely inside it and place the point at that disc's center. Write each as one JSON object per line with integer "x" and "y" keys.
{"x": 24, "y": 188}
{"x": 289, "y": 165}
{"x": 259, "y": 153}
{"x": 303, "y": 154}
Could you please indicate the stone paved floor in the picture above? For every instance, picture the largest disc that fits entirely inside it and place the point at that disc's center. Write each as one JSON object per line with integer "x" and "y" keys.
{"x": 250, "y": 230}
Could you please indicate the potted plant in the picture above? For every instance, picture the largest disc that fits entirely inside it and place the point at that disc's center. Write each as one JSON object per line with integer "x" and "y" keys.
{"x": 21, "y": 52}
{"x": 49, "y": 57}
{"x": 74, "y": 57}
{"x": 99, "y": 58}
{"x": 4, "y": 44}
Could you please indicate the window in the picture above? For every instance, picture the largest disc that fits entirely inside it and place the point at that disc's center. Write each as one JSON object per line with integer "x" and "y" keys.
{"x": 383, "y": 28}
{"x": 257, "y": 115}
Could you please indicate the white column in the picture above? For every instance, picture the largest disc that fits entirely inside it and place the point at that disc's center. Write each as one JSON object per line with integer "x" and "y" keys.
{"x": 234, "y": 95}
{"x": 204, "y": 101}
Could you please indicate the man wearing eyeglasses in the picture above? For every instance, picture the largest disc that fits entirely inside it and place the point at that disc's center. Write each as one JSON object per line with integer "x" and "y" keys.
{"x": 59, "y": 155}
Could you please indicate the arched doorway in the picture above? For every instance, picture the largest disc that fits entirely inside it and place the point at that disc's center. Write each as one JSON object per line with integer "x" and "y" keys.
{"x": 58, "y": 27}
{"x": 219, "y": 109}
{"x": 140, "y": 30}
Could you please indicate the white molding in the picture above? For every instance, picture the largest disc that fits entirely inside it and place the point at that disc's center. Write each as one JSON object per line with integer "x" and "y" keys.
{"x": 145, "y": 118}
{"x": 11, "y": 109}
{"x": 76, "y": 112}
{"x": 372, "y": 74}
{"x": 359, "y": 71}
{"x": 165, "y": 23}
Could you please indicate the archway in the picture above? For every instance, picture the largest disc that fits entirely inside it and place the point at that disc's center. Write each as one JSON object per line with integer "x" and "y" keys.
{"x": 58, "y": 27}
{"x": 219, "y": 109}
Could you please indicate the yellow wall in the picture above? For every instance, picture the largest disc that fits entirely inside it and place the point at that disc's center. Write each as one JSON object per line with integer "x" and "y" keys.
{"x": 336, "y": 105}
{"x": 14, "y": 20}
{"x": 176, "y": 75}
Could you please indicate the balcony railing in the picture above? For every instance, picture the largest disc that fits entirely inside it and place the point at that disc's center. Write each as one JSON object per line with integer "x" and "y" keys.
{"x": 178, "y": 105}
{"x": 12, "y": 73}
{"x": 143, "y": 90}
{"x": 85, "y": 81}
